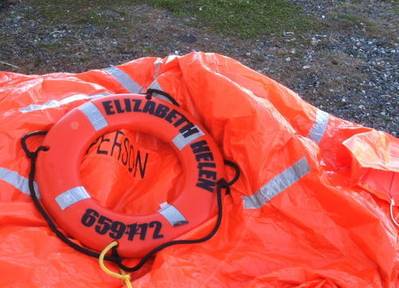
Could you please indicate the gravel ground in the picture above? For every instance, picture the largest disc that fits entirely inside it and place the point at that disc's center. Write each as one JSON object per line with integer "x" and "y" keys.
{"x": 349, "y": 66}
{"x": 365, "y": 88}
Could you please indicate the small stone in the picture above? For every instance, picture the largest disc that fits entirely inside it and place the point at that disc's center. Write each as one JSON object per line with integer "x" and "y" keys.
{"x": 288, "y": 33}
{"x": 288, "y": 59}
{"x": 314, "y": 41}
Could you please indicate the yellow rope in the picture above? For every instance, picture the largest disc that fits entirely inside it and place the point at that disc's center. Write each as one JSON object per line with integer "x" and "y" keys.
{"x": 125, "y": 277}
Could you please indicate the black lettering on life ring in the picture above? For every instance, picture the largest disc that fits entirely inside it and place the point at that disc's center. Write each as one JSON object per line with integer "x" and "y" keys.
{"x": 119, "y": 146}
{"x": 207, "y": 176}
{"x": 116, "y": 229}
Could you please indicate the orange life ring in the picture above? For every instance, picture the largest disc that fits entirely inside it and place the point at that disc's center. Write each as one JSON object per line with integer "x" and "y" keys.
{"x": 82, "y": 218}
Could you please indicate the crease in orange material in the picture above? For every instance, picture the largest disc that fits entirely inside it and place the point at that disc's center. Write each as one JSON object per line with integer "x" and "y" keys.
{"x": 311, "y": 208}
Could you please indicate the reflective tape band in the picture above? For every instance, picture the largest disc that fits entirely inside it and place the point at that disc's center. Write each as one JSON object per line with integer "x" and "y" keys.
{"x": 180, "y": 141}
{"x": 320, "y": 126}
{"x": 277, "y": 185}
{"x": 157, "y": 67}
{"x": 71, "y": 196}
{"x": 124, "y": 79}
{"x": 94, "y": 115}
{"x": 155, "y": 85}
{"x": 172, "y": 214}
{"x": 17, "y": 181}
{"x": 58, "y": 103}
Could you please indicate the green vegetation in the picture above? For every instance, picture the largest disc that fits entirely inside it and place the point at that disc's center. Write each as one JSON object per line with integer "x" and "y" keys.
{"x": 351, "y": 19}
{"x": 357, "y": 21}
{"x": 82, "y": 12}
{"x": 396, "y": 7}
{"x": 244, "y": 18}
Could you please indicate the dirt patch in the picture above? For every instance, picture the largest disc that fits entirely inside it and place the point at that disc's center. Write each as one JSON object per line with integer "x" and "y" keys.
{"x": 346, "y": 62}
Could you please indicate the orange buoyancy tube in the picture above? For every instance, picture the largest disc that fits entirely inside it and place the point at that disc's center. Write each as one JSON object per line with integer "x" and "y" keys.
{"x": 82, "y": 218}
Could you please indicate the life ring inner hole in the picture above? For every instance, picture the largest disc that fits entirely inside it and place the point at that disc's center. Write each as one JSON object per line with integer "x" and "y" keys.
{"x": 136, "y": 160}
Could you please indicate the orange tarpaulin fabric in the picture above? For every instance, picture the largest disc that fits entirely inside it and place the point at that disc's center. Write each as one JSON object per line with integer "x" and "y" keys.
{"x": 311, "y": 208}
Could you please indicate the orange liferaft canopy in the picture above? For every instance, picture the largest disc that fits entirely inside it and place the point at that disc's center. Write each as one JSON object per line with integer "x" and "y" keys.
{"x": 311, "y": 207}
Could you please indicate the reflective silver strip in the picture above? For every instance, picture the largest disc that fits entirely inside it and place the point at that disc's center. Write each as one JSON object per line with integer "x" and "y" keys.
{"x": 94, "y": 115}
{"x": 155, "y": 85}
{"x": 277, "y": 185}
{"x": 172, "y": 214}
{"x": 71, "y": 196}
{"x": 320, "y": 126}
{"x": 58, "y": 103}
{"x": 157, "y": 67}
{"x": 180, "y": 141}
{"x": 17, "y": 181}
{"x": 124, "y": 79}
